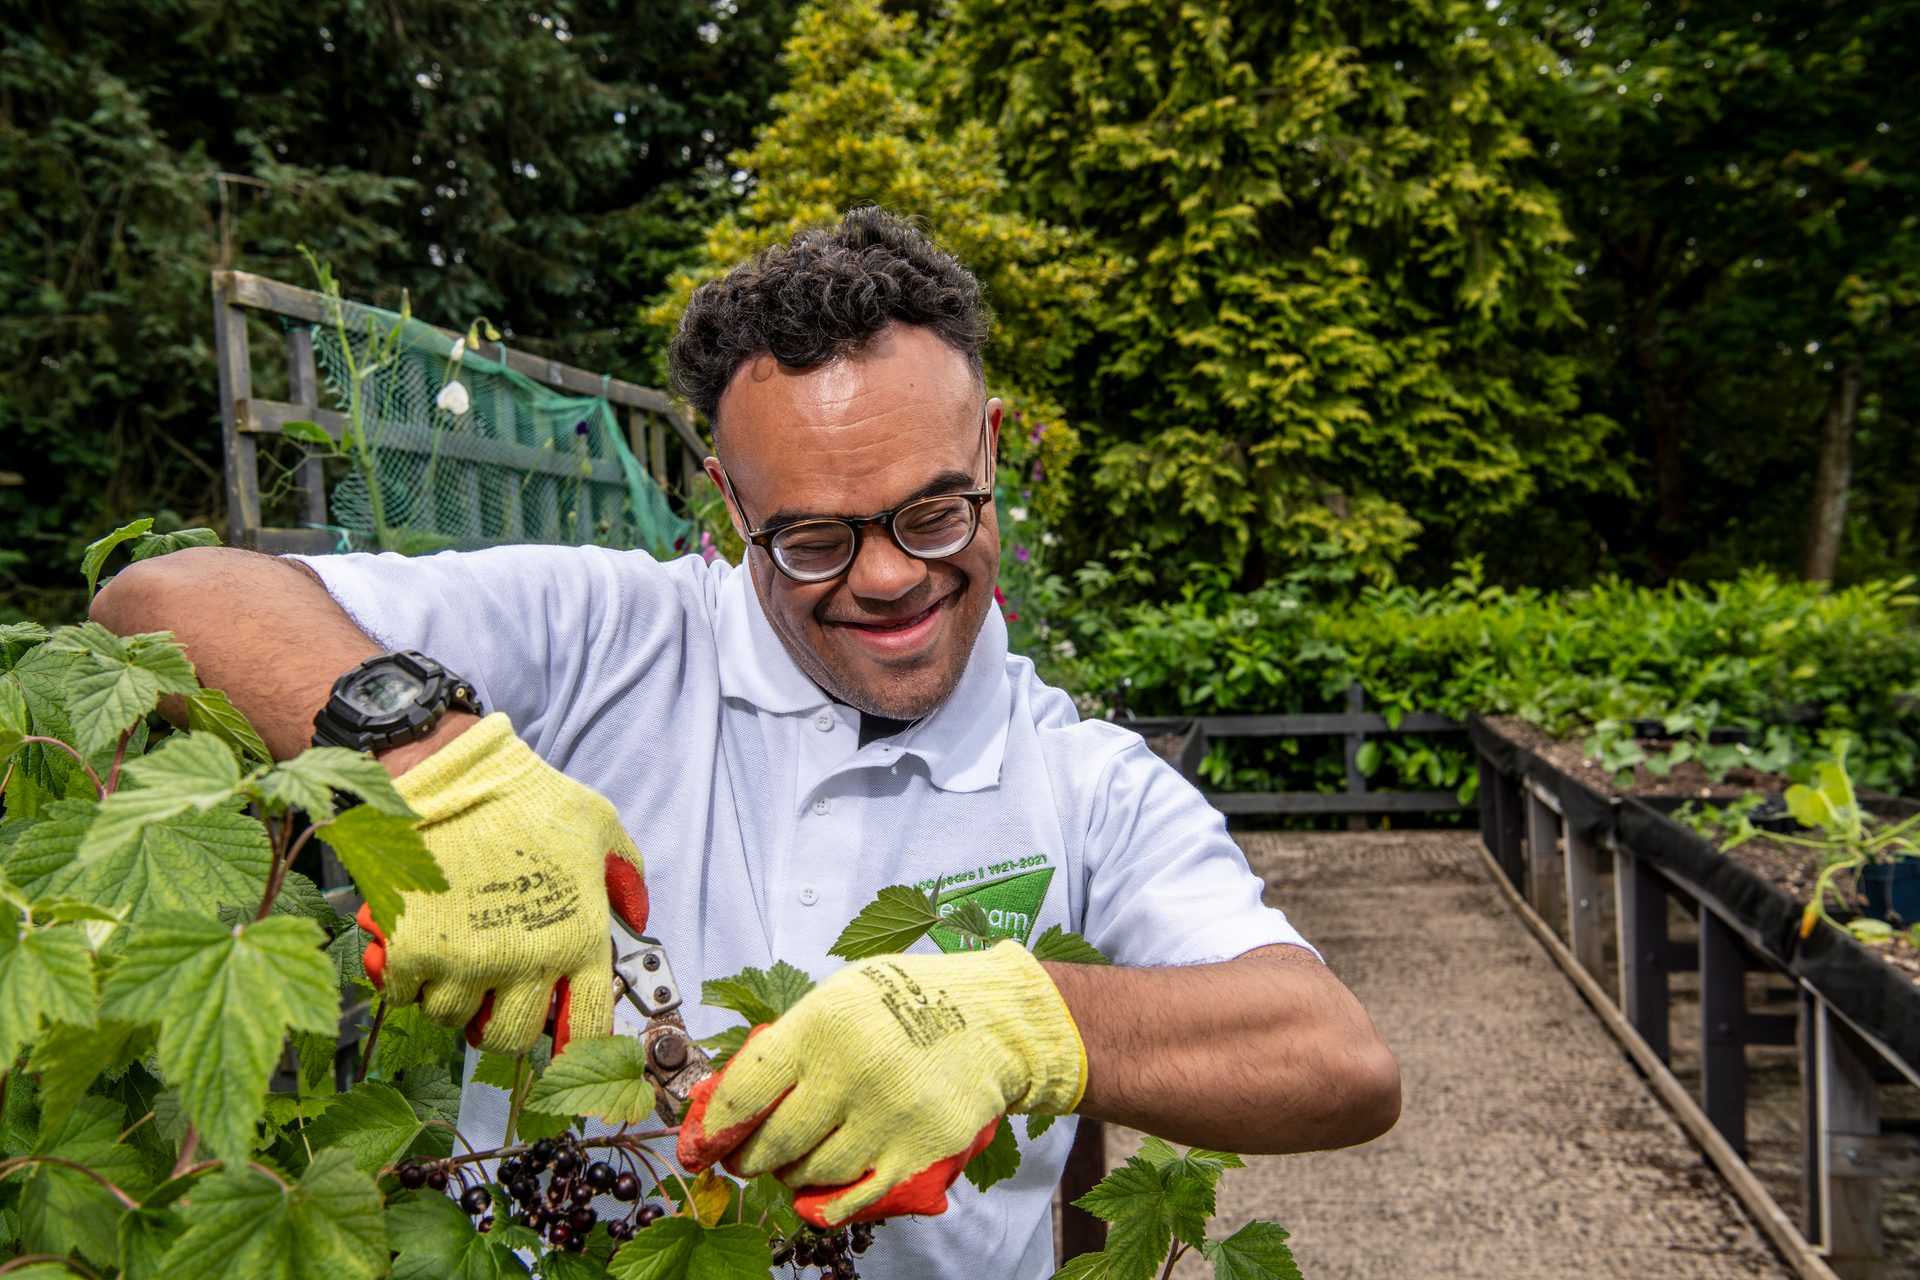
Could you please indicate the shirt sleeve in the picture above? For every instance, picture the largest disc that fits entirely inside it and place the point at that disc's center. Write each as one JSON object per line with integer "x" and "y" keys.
{"x": 540, "y": 631}
{"x": 1166, "y": 884}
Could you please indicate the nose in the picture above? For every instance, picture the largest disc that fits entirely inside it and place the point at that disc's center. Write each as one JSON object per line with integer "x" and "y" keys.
{"x": 881, "y": 570}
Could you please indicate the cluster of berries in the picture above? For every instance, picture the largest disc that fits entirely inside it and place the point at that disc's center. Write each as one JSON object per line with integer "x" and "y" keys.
{"x": 562, "y": 1212}
{"x": 831, "y": 1251}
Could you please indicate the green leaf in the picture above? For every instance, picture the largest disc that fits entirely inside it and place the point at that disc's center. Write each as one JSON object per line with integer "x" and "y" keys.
{"x": 723, "y": 1046}
{"x": 431, "y": 1092}
{"x": 63, "y": 1210}
{"x": 69, "y": 1058}
{"x": 95, "y": 557}
{"x": 997, "y": 1161}
{"x": 306, "y": 432}
{"x": 601, "y": 1076}
{"x": 386, "y": 857}
{"x": 1367, "y": 758}
{"x": 372, "y": 1122}
{"x": 438, "y": 1242}
{"x": 46, "y": 975}
{"x": 896, "y": 919}
{"x": 1148, "y": 1204}
{"x": 160, "y": 544}
{"x": 145, "y": 1236}
{"x": 1257, "y": 1251}
{"x": 224, "y": 999}
{"x": 758, "y": 995}
{"x": 15, "y": 723}
{"x": 193, "y": 862}
{"x": 244, "y": 1225}
{"x": 185, "y": 773}
{"x": 1059, "y": 945}
{"x": 309, "y": 780}
{"x": 968, "y": 918}
{"x": 1038, "y": 1124}
{"x": 111, "y": 683}
{"x": 501, "y": 1070}
{"x": 769, "y": 1198}
{"x": 17, "y": 639}
{"x": 1103, "y": 1265}
{"x": 211, "y": 712}
{"x": 681, "y": 1249}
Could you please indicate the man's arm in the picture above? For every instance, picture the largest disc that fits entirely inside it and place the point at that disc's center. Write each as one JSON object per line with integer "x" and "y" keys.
{"x": 260, "y": 629}
{"x": 1266, "y": 1053}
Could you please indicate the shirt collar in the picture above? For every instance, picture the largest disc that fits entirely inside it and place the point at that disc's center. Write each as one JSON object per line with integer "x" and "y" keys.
{"x": 962, "y": 741}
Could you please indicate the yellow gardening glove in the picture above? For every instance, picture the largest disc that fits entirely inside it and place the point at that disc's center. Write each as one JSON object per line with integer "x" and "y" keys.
{"x": 532, "y": 861}
{"x": 872, "y": 1093}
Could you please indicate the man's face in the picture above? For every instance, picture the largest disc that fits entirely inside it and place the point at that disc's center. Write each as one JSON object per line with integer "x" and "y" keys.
{"x": 899, "y": 420}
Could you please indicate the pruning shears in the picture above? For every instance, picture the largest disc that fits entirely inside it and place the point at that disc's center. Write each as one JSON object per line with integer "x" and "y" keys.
{"x": 674, "y": 1062}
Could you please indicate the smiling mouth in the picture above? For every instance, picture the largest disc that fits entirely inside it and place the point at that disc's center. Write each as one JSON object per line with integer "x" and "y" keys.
{"x": 901, "y": 627}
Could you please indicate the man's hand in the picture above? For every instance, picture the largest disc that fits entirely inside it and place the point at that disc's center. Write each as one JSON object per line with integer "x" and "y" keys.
{"x": 872, "y": 1093}
{"x": 533, "y": 860}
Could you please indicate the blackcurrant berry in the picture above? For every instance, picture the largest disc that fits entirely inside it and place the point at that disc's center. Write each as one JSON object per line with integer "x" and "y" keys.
{"x": 620, "y": 1229}
{"x": 626, "y": 1188}
{"x": 802, "y": 1254}
{"x": 475, "y": 1200}
{"x": 437, "y": 1177}
{"x": 580, "y": 1193}
{"x": 650, "y": 1214}
{"x": 508, "y": 1171}
{"x": 542, "y": 1150}
{"x": 600, "y": 1175}
{"x": 782, "y": 1251}
{"x": 582, "y": 1220}
{"x": 523, "y": 1188}
{"x": 556, "y": 1191}
{"x": 485, "y": 1224}
{"x": 566, "y": 1162}
{"x": 558, "y": 1235}
{"x": 843, "y": 1270}
{"x": 413, "y": 1176}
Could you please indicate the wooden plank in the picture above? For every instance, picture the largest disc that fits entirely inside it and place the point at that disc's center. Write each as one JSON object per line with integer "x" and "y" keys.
{"x": 1080, "y": 1231}
{"x": 1885, "y": 1155}
{"x": 1260, "y": 802}
{"x": 1846, "y": 1105}
{"x": 1584, "y": 932}
{"x": 295, "y": 542}
{"x": 234, "y": 363}
{"x": 656, "y": 454}
{"x": 1723, "y": 1017}
{"x": 303, "y": 388}
{"x": 267, "y": 417}
{"x": 1325, "y": 725}
{"x": 1644, "y": 949}
{"x": 1193, "y": 749}
{"x": 1799, "y": 1255}
{"x": 1544, "y": 889}
{"x": 1356, "y": 780}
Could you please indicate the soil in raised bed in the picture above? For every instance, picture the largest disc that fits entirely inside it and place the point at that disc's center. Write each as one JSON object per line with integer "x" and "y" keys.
{"x": 1688, "y": 779}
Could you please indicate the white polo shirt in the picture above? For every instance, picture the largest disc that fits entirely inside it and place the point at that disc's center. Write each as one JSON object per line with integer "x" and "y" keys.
{"x": 766, "y": 827}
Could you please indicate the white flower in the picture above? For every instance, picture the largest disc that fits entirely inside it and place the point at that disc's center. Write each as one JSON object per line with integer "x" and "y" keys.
{"x": 459, "y": 349}
{"x": 1065, "y": 649}
{"x": 453, "y": 398}
{"x": 1017, "y": 514}
{"x": 1047, "y": 539}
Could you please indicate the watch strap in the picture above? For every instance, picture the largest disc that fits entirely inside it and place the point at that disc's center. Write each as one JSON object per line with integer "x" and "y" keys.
{"x": 340, "y": 724}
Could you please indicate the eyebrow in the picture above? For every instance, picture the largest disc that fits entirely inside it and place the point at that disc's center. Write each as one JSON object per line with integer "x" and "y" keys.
{"x": 944, "y": 483}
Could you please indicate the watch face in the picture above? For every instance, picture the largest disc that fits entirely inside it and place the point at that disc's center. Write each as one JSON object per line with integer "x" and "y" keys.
{"x": 382, "y": 693}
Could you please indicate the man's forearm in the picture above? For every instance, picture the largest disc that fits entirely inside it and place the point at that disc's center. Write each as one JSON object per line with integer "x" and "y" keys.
{"x": 1267, "y": 1053}
{"x": 261, "y": 630}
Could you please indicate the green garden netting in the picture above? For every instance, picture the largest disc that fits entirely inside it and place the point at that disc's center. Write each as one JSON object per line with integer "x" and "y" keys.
{"x": 520, "y": 462}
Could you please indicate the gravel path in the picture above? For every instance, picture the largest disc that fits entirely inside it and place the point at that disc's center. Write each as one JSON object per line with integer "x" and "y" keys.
{"x": 1528, "y": 1147}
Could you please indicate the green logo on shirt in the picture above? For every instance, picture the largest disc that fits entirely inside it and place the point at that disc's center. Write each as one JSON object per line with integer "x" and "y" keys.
{"x": 1012, "y": 903}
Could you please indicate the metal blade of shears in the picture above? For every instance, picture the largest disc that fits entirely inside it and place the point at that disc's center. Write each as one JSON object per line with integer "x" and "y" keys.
{"x": 674, "y": 1062}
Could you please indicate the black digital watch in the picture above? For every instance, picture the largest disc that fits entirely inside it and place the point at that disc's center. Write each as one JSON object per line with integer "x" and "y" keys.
{"x": 391, "y": 699}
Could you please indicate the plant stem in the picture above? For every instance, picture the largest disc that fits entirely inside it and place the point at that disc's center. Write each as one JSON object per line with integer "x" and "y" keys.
{"x": 29, "y": 1259}
{"x": 282, "y": 830}
{"x": 522, "y": 1085}
{"x": 630, "y": 1142}
{"x": 367, "y": 1046}
{"x": 119, "y": 758}
{"x": 21, "y": 1162}
{"x": 55, "y": 742}
{"x": 1173, "y": 1256}
{"x": 188, "y": 1145}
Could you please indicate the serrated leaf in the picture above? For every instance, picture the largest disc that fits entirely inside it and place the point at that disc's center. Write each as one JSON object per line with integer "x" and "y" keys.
{"x": 242, "y": 1225}
{"x": 997, "y": 1161}
{"x": 15, "y": 723}
{"x": 438, "y": 1242}
{"x": 16, "y": 639}
{"x": 95, "y": 557}
{"x": 386, "y": 857}
{"x": 681, "y": 1249}
{"x": 211, "y": 712}
{"x": 535, "y": 1125}
{"x": 1059, "y": 945}
{"x": 69, "y": 1058}
{"x": 371, "y": 1122}
{"x": 968, "y": 918}
{"x": 225, "y": 1000}
{"x": 758, "y": 995}
{"x": 309, "y": 780}
{"x": 111, "y": 683}
{"x": 193, "y": 862}
{"x": 501, "y": 1070}
{"x": 898, "y": 917}
{"x": 160, "y": 544}
{"x": 145, "y": 1236}
{"x": 768, "y": 1198}
{"x": 708, "y": 1197}
{"x": 1102, "y": 1265}
{"x": 1147, "y": 1206}
{"x": 184, "y": 774}
{"x": 1039, "y": 1124}
{"x": 408, "y": 1039}
{"x": 603, "y": 1076}
{"x": 1257, "y": 1251}
{"x": 431, "y": 1092}
{"x": 306, "y": 432}
{"x": 63, "y": 1210}
{"x": 46, "y": 976}
{"x": 721, "y": 1047}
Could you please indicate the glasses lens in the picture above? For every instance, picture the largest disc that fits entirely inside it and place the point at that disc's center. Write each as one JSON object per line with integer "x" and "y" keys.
{"x": 819, "y": 548}
{"x": 936, "y": 527}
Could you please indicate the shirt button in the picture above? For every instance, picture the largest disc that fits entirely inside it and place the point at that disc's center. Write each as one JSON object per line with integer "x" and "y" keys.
{"x": 809, "y": 896}
{"x": 821, "y": 806}
{"x": 824, "y": 721}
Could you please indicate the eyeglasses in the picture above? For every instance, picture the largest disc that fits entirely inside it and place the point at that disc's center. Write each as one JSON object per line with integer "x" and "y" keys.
{"x": 926, "y": 528}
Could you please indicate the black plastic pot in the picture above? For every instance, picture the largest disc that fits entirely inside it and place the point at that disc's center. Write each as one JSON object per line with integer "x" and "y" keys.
{"x": 1892, "y": 889}
{"x": 1656, "y": 731}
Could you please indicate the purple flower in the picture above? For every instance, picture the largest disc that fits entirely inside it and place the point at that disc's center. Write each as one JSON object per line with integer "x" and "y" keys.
{"x": 1020, "y": 554}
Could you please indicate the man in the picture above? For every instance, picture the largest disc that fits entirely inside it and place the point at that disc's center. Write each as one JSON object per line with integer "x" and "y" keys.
{"x": 783, "y": 740}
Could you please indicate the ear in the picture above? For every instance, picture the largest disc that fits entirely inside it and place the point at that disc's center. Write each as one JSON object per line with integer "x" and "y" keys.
{"x": 719, "y": 478}
{"x": 994, "y": 411}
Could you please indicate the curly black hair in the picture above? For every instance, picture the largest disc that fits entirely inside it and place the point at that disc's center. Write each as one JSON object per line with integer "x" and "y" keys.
{"x": 823, "y": 296}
